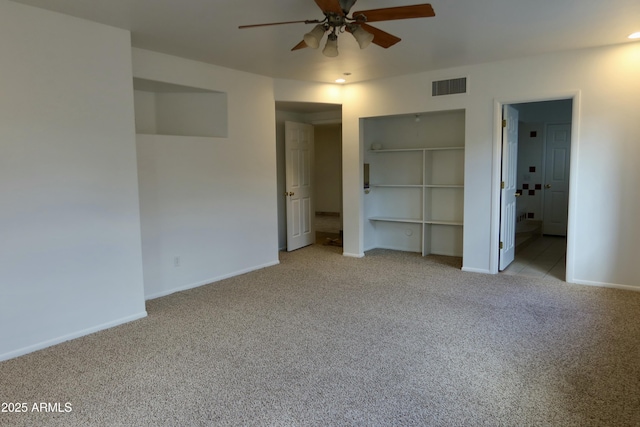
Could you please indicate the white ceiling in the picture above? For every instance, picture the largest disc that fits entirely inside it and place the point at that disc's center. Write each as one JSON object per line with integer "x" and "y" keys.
{"x": 462, "y": 32}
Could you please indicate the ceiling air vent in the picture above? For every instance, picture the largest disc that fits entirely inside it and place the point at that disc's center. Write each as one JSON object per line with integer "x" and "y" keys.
{"x": 449, "y": 87}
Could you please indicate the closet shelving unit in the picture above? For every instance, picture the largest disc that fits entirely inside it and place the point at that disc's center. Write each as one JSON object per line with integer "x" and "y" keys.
{"x": 418, "y": 187}
{"x": 415, "y": 196}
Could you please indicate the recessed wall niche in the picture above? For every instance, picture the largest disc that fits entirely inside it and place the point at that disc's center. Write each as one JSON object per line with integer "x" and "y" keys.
{"x": 170, "y": 109}
{"x": 416, "y": 196}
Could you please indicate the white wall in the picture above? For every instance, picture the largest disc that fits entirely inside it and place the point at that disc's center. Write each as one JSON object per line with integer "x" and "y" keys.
{"x": 604, "y": 232}
{"x": 145, "y": 112}
{"x": 296, "y": 91}
{"x": 194, "y": 114}
{"x": 328, "y": 168}
{"x": 209, "y": 201}
{"x": 181, "y": 113}
{"x": 545, "y": 112}
{"x": 70, "y": 249}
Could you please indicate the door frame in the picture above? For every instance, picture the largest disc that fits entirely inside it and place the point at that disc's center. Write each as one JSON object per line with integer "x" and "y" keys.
{"x": 496, "y": 174}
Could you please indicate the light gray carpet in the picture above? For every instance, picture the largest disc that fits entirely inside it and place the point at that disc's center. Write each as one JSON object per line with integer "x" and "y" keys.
{"x": 392, "y": 339}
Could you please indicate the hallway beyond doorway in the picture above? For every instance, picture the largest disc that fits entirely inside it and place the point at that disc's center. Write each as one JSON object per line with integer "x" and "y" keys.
{"x": 328, "y": 228}
{"x": 545, "y": 256}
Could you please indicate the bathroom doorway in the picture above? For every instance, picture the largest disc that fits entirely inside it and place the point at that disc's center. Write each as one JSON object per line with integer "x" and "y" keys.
{"x": 542, "y": 188}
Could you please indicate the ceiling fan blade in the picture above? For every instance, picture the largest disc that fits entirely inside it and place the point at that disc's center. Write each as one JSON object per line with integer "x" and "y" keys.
{"x": 313, "y": 21}
{"x": 400, "y": 12}
{"x": 332, "y": 6}
{"x": 381, "y": 38}
{"x": 300, "y": 45}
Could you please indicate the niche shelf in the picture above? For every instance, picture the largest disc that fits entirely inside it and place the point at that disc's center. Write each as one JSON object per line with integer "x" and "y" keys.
{"x": 170, "y": 109}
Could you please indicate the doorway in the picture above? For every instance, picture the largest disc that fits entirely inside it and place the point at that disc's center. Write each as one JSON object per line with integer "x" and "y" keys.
{"x": 327, "y": 122}
{"x": 328, "y": 178}
{"x": 299, "y": 189}
{"x": 542, "y": 190}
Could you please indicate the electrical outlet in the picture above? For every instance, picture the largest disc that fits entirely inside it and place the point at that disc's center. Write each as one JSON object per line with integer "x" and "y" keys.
{"x": 176, "y": 261}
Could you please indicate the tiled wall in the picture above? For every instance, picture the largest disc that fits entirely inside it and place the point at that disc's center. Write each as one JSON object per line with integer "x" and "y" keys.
{"x": 533, "y": 120}
{"x": 530, "y": 170}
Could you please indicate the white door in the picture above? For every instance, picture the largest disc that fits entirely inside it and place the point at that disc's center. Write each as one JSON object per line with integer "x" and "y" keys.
{"x": 509, "y": 186}
{"x": 556, "y": 179}
{"x": 299, "y": 190}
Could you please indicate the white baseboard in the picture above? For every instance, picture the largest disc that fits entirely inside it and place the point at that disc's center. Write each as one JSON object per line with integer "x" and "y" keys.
{"x": 606, "y": 285}
{"x": 208, "y": 281}
{"x": 475, "y": 270}
{"x": 350, "y": 255}
{"x": 68, "y": 337}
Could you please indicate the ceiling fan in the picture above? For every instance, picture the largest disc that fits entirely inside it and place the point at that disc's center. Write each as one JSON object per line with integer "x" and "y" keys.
{"x": 337, "y": 20}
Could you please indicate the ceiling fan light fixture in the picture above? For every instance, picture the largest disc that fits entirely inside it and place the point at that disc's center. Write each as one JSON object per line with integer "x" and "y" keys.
{"x": 338, "y": 18}
{"x": 331, "y": 48}
{"x": 313, "y": 37}
{"x": 362, "y": 36}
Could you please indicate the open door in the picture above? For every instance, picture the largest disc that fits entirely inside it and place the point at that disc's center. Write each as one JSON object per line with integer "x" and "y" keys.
{"x": 508, "y": 185}
{"x": 299, "y": 191}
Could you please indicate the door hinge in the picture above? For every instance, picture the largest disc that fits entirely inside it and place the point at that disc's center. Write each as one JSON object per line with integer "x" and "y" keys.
{"x": 504, "y": 123}
{"x": 501, "y": 245}
{"x": 502, "y": 185}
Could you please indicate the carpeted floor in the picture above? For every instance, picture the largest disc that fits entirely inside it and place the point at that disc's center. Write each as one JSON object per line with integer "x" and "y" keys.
{"x": 393, "y": 339}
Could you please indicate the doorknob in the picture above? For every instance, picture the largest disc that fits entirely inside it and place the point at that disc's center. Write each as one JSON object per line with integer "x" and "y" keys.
{"x": 547, "y": 186}
{"x": 518, "y": 194}
{"x": 286, "y": 193}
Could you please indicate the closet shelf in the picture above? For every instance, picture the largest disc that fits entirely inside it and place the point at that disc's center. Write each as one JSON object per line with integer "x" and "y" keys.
{"x": 398, "y": 185}
{"x": 418, "y": 185}
{"x": 437, "y": 222}
{"x": 416, "y": 221}
{"x": 390, "y": 150}
{"x": 391, "y": 219}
